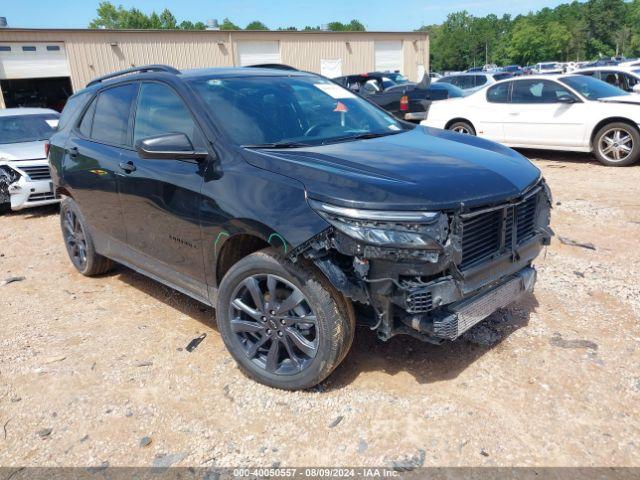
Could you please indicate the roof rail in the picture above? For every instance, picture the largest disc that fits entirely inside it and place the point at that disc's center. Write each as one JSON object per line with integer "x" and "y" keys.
{"x": 141, "y": 69}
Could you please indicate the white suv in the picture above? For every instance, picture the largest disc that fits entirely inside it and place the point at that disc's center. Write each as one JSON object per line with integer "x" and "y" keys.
{"x": 25, "y": 180}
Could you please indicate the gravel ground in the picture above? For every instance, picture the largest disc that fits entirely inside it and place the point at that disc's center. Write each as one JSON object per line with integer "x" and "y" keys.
{"x": 95, "y": 370}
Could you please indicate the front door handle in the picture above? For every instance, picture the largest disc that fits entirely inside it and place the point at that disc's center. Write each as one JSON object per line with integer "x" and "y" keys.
{"x": 128, "y": 167}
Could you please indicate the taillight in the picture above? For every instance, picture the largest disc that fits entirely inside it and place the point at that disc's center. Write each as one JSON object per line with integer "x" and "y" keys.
{"x": 404, "y": 103}
{"x": 47, "y": 146}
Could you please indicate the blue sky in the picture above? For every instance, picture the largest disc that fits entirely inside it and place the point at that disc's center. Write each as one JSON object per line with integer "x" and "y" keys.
{"x": 375, "y": 14}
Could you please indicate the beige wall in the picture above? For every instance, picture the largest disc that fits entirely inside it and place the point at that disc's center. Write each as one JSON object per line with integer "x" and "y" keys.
{"x": 92, "y": 53}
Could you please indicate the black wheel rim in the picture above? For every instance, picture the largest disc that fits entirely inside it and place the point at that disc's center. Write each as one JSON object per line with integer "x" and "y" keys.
{"x": 273, "y": 323}
{"x": 75, "y": 239}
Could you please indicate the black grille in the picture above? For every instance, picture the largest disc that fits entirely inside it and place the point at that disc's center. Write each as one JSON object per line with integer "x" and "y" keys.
{"x": 37, "y": 173}
{"x": 419, "y": 301}
{"x": 482, "y": 234}
{"x": 38, "y": 197}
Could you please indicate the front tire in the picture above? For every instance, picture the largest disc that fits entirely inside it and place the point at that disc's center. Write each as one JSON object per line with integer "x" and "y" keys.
{"x": 462, "y": 127}
{"x": 283, "y": 323}
{"x": 79, "y": 243}
{"x": 617, "y": 145}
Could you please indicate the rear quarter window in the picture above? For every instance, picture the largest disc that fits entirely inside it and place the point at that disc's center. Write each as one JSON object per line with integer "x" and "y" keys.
{"x": 499, "y": 93}
{"x": 72, "y": 108}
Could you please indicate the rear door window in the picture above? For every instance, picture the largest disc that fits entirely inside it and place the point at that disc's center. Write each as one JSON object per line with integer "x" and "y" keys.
{"x": 112, "y": 115}
{"x": 161, "y": 111}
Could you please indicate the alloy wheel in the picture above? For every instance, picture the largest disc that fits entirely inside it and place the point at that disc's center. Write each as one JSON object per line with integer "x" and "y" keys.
{"x": 461, "y": 129}
{"x": 616, "y": 144}
{"x": 75, "y": 238}
{"x": 272, "y": 320}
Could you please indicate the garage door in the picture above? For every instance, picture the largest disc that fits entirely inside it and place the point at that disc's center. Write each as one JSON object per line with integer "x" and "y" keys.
{"x": 389, "y": 56}
{"x": 33, "y": 60}
{"x": 254, "y": 53}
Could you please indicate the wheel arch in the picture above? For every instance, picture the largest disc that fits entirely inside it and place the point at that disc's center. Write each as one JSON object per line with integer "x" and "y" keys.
{"x": 234, "y": 242}
{"x": 459, "y": 119}
{"x": 606, "y": 121}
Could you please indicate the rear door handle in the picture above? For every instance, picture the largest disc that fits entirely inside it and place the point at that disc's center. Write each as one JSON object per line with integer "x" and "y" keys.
{"x": 72, "y": 152}
{"x": 128, "y": 167}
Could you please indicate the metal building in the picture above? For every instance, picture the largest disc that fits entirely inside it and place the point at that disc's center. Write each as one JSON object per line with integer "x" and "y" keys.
{"x": 43, "y": 67}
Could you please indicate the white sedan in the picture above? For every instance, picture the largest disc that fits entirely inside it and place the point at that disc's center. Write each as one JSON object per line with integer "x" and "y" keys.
{"x": 555, "y": 112}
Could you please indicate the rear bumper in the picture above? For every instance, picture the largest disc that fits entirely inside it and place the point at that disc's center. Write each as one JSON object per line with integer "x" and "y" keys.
{"x": 27, "y": 193}
{"x": 415, "y": 116}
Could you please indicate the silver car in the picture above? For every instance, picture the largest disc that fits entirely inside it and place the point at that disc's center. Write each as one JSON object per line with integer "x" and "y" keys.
{"x": 474, "y": 81}
{"x": 25, "y": 180}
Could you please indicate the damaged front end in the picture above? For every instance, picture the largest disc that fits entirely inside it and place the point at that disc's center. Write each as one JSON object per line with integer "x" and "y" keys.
{"x": 432, "y": 275}
{"x": 8, "y": 177}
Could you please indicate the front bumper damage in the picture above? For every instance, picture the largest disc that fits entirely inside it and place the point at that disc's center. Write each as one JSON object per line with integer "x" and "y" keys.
{"x": 437, "y": 296}
{"x": 25, "y": 185}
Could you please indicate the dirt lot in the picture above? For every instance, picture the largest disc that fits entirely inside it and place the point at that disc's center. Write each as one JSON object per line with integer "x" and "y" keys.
{"x": 89, "y": 367}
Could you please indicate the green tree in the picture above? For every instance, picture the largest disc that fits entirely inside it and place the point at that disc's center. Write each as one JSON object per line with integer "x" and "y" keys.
{"x": 228, "y": 25}
{"x": 256, "y": 25}
{"x": 167, "y": 20}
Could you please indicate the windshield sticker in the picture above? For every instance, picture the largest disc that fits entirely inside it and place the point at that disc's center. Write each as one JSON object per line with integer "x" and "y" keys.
{"x": 394, "y": 127}
{"x": 341, "y": 107}
{"x": 53, "y": 123}
{"x": 334, "y": 91}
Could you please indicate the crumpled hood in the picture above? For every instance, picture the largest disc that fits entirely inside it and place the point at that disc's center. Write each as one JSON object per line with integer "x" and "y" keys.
{"x": 421, "y": 169}
{"x": 632, "y": 99}
{"x": 22, "y": 151}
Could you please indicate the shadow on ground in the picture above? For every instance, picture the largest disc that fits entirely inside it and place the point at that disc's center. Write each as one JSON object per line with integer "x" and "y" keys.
{"x": 559, "y": 157}
{"x": 428, "y": 363}
{"x": 425, "y": 362}
{"x": 35, "y": 212}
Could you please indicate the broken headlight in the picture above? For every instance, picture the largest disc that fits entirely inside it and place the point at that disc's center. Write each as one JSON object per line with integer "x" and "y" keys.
{"x": 402, "y": 229}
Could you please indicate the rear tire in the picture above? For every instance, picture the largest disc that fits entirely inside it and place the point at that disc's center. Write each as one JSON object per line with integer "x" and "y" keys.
{"x": 462, "y": 127}
{"x": 285, "y": 325}
{"x": 5, "y": 208}
{"x": 617, "y": 145}
{"x": 79, "y": 243}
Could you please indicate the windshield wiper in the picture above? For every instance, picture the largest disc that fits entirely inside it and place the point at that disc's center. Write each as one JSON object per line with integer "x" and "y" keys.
{"x": 279, "y": 145}
{"x": 361, "y": 136}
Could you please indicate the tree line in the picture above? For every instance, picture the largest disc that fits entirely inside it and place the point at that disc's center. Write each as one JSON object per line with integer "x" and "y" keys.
{"x": 570, "y": 32}
{"x": 112, "y": 17}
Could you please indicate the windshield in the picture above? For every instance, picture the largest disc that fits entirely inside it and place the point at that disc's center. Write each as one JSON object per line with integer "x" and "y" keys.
{"x": 290, "y": 111}
{"x": 27, "y": 128}
{"x": 591, "y": 88}
{"x": 547, "y": 66}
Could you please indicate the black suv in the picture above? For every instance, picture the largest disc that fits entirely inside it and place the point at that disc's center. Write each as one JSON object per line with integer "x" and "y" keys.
{"x": 296, "y": 209}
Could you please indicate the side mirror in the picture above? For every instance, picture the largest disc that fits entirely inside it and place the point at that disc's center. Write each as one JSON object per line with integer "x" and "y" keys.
{"x": 171, "y": 146}
{"x": 636, "y": 88}
{"x": 566, "y": 99}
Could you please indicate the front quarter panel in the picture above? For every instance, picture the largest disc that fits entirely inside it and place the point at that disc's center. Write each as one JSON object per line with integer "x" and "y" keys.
{"x": 248, "y": 200}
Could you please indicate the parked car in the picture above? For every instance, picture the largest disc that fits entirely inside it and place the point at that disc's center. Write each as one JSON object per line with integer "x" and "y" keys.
{"x": 515, "y": 70}
{"x": 557, "y": 112}
{"x": 296, "y": 208}
{"x": 25, "y": 180}
{"x": 548, "y": 68}
{"x": 475, "y": 81}
{"x": 407, "y": 101}
{"x": 625, "y": 78}
{"x": 631, "y": 63}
